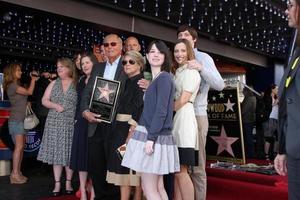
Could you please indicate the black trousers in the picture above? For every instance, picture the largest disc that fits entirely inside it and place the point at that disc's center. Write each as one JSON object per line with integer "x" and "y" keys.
{"x": 293, "y": 166}
{"x": 98, "y": 147}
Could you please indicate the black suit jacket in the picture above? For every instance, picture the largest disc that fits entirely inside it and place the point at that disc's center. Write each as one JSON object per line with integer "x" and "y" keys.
{"x": 289, "y": 110}
{"x": 98, "y": 70}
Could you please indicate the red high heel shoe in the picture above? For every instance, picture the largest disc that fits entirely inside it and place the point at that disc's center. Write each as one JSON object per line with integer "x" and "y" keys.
{"x": 87, "y": 188}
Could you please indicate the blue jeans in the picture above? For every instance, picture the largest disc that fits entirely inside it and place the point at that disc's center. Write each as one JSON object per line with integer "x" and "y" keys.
{"x": 16, "y": 128}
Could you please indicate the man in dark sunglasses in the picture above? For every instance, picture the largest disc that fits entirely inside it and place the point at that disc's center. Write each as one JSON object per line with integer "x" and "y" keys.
{"x": 99, "y": 132}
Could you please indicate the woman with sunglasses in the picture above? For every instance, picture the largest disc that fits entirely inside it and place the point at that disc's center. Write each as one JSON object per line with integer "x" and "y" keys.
{"x": 152, "y": 150}
{"x": 128, "y": 114}
{"x": 287, "y": 162}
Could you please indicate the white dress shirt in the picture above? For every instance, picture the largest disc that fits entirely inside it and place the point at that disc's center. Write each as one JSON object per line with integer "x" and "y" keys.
{"x": 210, "y": 77}
{"x": 110, "y": 69}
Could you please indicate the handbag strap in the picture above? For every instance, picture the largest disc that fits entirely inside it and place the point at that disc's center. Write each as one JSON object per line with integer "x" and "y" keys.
{"x": 28, "y": 110}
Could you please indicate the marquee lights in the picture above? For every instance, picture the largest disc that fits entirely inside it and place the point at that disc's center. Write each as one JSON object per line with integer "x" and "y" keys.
{"x": 257, "y": 25}
{"x": 246, "y": 23}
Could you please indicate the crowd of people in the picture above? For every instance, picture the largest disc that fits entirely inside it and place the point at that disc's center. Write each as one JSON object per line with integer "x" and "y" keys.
{"x": 163, "y": 158}
{"x": 155, "y": 143}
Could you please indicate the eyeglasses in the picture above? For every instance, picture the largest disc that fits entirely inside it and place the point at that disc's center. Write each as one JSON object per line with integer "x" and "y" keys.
{"x": 113, "y": 44}
{"x": 289, "y": 5}
{"x": 124, "y": 62}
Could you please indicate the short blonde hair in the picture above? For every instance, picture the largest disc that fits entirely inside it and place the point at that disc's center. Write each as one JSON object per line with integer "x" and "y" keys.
{"x": 67, "y": 62}
{"x": 137, "y": 57}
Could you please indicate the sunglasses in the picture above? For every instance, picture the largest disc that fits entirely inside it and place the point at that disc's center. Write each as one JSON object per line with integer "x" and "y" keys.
{"x": 124, "y": 62}
{"x": 113, "y": 44}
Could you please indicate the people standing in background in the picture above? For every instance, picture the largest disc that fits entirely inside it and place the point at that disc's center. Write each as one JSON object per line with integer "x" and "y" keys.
{"x": 210, "y": 78}
{"x": 76, "y": 60}
{"x": 152, "y": 150}
{"x": 99, "y": 52}
{"x": 248, "y": 108}
{"x": 99, "y": 133}
{"x": 270, "y": 126}
{"x": 185, "y": 128}
{"x": 287, "y": 162}
{"x": 17, "y": 96}
{"x": 104, "y": 57}
{"x": 128, "y": 114}
{"x": 263, "y": 110}
{"x": 79, "y": 153}
{"x": 60, "y": 98}
{"x": 40, "y": 110}
{"x": 132, "y": 44}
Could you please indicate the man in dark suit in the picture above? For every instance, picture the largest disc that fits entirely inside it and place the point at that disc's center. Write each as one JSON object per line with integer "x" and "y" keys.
{"x": 98, "y": 132}
{"x": 287, "y": 162}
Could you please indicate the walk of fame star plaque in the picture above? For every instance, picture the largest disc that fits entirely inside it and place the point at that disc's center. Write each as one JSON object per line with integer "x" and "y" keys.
{"x": 104, "y": 98}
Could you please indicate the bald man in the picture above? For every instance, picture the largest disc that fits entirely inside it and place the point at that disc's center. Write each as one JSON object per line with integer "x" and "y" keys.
{"x": 132, "y": 44}
{"x": 98, "y": 131}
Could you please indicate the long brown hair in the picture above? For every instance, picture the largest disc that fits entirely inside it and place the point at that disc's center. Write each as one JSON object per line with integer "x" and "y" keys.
{"x": 189, "y": 51}
{"x": 298, "y": 12}
{"x": 9, "y": 73}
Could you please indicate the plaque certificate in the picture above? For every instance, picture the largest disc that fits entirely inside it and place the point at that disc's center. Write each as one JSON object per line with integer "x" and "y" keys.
{"x": 104, "y": 98}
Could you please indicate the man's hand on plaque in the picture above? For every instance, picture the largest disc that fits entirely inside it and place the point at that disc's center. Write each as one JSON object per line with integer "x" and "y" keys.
{"x": 91, "y": 117}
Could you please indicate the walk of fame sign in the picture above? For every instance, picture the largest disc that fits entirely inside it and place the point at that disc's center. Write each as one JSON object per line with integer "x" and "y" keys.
{"x": 104, "y": 98}
{"x": 225, "y": 135}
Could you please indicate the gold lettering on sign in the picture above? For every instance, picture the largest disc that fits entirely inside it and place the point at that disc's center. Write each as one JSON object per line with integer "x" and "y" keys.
{"x": 216, "y": 107}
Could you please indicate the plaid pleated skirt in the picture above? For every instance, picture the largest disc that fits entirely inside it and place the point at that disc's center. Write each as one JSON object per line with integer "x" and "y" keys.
{"x": 163, "y": 160}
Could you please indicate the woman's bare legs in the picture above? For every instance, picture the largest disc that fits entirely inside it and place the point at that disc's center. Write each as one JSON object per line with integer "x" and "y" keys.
{"x": 57, "y": 170}
{"x": 82, "y": 180}
{"x": 69, "y": 175}
{"x": 125, "y": 192}
{"x": 91, "y": 188}
{"x": 150, "y": 186}
{"x": 161, "y": 188}
{"x": 185, "y": 183}
{"x": 18, "y": 154}
{"x": 138, "y": 193}
{"x": 177, "y": 193}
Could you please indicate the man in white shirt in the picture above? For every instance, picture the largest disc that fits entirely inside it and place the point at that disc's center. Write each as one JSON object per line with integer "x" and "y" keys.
{"x": 210, "y": 77}
{"x": 98, "y": 132}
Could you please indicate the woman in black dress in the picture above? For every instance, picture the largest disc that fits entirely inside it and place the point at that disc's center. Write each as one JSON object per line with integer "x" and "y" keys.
{"x": 128, "y": 113}
{"x": 79, "y": 154}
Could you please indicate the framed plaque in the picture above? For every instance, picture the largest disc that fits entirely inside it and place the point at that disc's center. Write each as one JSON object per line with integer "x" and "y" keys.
{"x": 104, "y": 98}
